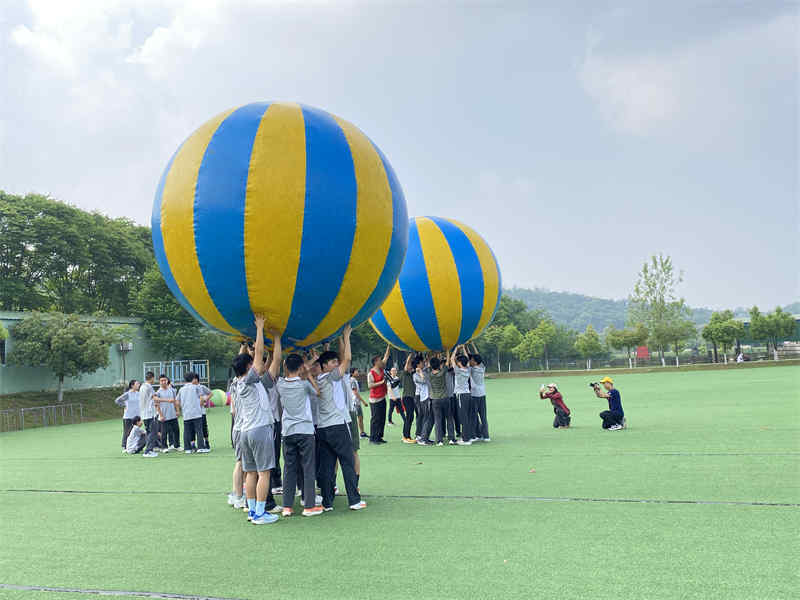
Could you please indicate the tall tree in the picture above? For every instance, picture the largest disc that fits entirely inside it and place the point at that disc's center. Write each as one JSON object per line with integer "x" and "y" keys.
{"x": 589, "y": 346}
{"x": 531, "y": 346}
{"x": 722, "y": 330}
{"x": 66, "y": 345}
{"x": 771, "y": 328}
{"x": 627, "y": 339}
{"x": 654, "y": 302}
{"x": 510, "y": 339}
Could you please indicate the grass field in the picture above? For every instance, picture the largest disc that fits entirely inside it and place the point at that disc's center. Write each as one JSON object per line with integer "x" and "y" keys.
{"x": 699, "y": 498}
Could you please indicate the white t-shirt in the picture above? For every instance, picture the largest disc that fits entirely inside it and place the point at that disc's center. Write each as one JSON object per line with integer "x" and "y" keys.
{"x": 147, "y": 407}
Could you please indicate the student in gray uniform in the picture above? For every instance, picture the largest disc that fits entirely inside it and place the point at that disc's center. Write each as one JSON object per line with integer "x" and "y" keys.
{"x": 147, "y": 410}
{"x": 237, "y": 498}
{"x": 333, "y": 431}
{"x": 423, "y": 398}
{"x": 136, "y": 437}
{"x": 460, "y": 365}
{"x": 203, "y": 409}
{"x": 296, "y": 390}
{"x": 275, "y": 404}
{"x": 191, "y": 398}
{"x": 440, "y": 405}
{"x": 450, "y": 379}
{"x": 355, "y": 387}
{"x": 129, "y": 400}
{"x": 477, "y": 372}
{"x": 167, "y": 415}
{"x": 256, "y": 441}
{"x": 409, "y": 392}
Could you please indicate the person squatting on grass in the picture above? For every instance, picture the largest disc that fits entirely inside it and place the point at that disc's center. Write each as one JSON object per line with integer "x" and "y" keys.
{"x": 560, "y": 409}
{"x": 129, "y": 400}
{"x": 614, "y": 417}
{"x": 136, "y": 437}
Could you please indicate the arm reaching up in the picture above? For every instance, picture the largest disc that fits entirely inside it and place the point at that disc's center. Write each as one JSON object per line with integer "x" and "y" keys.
{"x": 258, "y": 355}
{"x": 346, "y": 355}
{"x": 275, "y": 365}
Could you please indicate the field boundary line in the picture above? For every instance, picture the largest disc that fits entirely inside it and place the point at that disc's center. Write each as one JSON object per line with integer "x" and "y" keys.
{"x": 43, "y": 588}
{"x": 448, "y": 497}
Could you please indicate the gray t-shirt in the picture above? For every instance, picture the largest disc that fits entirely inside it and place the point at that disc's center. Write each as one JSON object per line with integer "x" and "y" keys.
{"x": 252, "y": 402}
{"x": 296, "y": 398}
{"x": 147, "y": 407}
{"x": 355, "y": 394}
{"x": 167, "y": 408}
{"x": 341, "y": 396}
{"x": 461, "y": 380}
{"x": 476, "y": 374}
{"x": 191, "y": 403}
{"x": 274, "y": 397}
{"x": 329, "y": 413}
{"x": 130, "y": 400}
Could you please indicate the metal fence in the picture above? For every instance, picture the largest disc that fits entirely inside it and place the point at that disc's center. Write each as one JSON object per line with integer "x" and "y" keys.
{"x": 17, "y": 419}
{"x": 176, "y": 369}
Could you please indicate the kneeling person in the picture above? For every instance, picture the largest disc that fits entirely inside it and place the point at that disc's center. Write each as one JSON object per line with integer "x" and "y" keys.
{"x": 560, "y": 409}
{"x": 614, "y": 417}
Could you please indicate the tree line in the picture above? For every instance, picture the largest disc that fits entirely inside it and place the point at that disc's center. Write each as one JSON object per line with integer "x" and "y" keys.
{"x": 60, "y": 261}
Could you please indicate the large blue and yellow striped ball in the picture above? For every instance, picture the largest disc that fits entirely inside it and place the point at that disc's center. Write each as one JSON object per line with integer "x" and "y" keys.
{"x": 280, "y": 209}
{"x": 447, "y": 292}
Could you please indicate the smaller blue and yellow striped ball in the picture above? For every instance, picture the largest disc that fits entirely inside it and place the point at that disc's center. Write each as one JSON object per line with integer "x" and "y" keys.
{"x": 447, "y": 292}
{"x": 280, "y": 209}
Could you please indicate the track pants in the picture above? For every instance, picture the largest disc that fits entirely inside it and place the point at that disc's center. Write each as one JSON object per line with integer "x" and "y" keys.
{"x": 611, "y": 417}
{"x": 276, "y": 472}
{"x": 336, "y": 443}
{"x": 420, "y": 416}
{"x": 377, "y": 422}
{"x": 562, "y": 419}
{"x": 479, "y": 403}
{"x": 153, "y": 428}
{"x": 171, "y": 433}
{"x": 441, "y": 416}
{"x": 127, "y": 425}
{"x": 193, "y": 430}
{"x": 454, "y": 412}
{"x": 427, "y": 418}
{"x": 465, "y": 416}
{"x": 408, "y": 415}
{"x": 299, "y": 456}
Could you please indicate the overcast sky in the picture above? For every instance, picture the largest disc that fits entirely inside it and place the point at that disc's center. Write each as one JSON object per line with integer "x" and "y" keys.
{"x": 577, "y": 138}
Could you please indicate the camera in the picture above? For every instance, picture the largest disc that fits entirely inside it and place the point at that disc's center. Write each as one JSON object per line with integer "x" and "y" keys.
{"x": 594, "y": 384}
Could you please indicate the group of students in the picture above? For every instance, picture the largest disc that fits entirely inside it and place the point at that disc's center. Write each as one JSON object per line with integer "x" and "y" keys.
{"x": 445, "y": 392}
{"x": 310, "y": 413}
{"x": 150, "y": 420}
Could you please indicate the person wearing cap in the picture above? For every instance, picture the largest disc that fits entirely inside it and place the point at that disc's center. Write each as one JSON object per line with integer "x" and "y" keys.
{"x": 560, "y": 409}
{"x": 614, "y": 417}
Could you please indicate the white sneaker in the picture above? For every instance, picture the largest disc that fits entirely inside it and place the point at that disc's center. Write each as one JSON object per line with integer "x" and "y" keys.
{"x": 474, "y": 440}
{"x": 124, "y": 451}
{"x": 165, "y": 450}
{"x": 240, "y": 503}
{"x": 615, "y": 427}
{"x": 440, "y": 444}
{"x": 452, "y": 442}
{"x": 336, "y": 490}
{"x": 187, "y": 451}
{"x": 298, "y": 493}
{"x": 277, "y": 490}
{"x": 203, "y": 451}
{"x": 317, "y": 500}
{"x": 463, "y": 443}
{"x": 150, "y": 454}
{"x": 487, "y": 439}
{"x": 359, "y": 506}
{"x": 232, "y": 499}
{"x": 276, "y": 509}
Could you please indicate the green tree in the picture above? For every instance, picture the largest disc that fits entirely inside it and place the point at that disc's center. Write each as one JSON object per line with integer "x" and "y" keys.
{"x": 627, "y": 339}
{"x": 169, "y": 327}
{"x": 515, "y": 312}
{"x": 723, "y": 330}
{"x": 66, "y": 345}
{"x": 492, "y": 337}
{"x": 677, "y": 332}
{"x": 510, "y": 339}
{"x": 3, "y": 332}
{"x": 771, "y": 328}
{"x": 655, "y": 304}
{"x": 365, "y": 344}
{"x": 531, "y": 346}
{"x": 589, "y": 346}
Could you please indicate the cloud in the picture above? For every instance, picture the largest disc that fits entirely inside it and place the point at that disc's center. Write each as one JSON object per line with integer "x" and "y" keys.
{"x": 698, "y": 86}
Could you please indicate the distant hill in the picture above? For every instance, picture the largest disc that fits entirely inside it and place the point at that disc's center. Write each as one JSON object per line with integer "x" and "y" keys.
{"x": 576, "y": 311}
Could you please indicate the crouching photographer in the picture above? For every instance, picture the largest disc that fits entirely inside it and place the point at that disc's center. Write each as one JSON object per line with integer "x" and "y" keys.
{"x": 560, "y": 409}
{"x": 614, "y": 417}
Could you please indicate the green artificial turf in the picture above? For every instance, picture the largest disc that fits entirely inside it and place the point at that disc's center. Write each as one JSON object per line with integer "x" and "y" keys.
{"x": 443, "y": 523}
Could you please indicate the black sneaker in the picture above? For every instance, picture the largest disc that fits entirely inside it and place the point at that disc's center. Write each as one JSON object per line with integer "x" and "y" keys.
{"x": 363, "y": 435}
{"x": 382, "y": 441}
